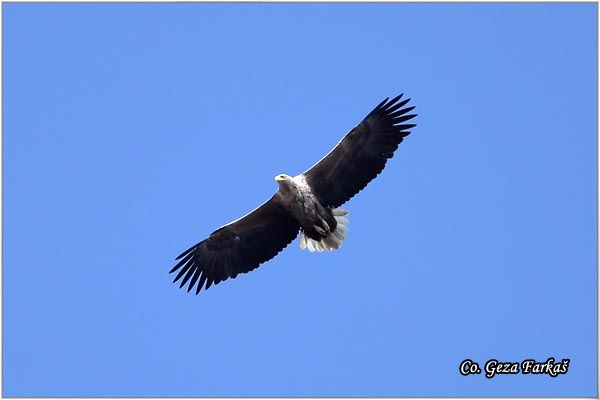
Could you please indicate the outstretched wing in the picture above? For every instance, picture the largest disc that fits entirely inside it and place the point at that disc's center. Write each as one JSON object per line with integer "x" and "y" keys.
{"x": 361, "y": 155}
{"x": 237, "y": 247}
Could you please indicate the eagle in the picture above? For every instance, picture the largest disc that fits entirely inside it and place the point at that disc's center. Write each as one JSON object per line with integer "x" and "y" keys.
{"x": 307, "y": 203}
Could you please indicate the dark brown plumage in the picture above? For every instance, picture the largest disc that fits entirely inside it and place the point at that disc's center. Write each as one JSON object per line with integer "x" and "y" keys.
{"x": 361, "y": 155}
{"x": 238, "y": 247}
{"x": 307, "y": 203}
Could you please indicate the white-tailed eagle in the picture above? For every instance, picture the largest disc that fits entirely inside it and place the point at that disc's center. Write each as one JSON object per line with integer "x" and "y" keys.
{"x": 307, "y": 203}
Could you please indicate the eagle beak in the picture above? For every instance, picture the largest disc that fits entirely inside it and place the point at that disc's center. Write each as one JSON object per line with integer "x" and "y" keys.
{"x": 279, "y": 178}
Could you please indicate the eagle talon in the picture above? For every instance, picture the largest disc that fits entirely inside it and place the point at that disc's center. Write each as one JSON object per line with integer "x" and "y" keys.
{"x": 321, "y": 231}
{"x": 326, "y": 226}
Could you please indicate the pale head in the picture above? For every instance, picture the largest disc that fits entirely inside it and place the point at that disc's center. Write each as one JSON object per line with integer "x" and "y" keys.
{"x": 282, "y": 178}
{"x": 284, "y": 181}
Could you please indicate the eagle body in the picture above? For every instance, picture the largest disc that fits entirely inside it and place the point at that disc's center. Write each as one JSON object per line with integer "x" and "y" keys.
{"x": 316, "y": 221}
{"x": 307, "y": 203}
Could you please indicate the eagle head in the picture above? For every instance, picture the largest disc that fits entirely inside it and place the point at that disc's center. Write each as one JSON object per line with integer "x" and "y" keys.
{"x": 282, "y": 178}
{"x": 284, "y": 181}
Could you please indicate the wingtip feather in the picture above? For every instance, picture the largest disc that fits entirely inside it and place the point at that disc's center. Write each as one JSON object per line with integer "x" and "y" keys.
{"x": 395, "y": 99}
{"x": 187, "y": 251}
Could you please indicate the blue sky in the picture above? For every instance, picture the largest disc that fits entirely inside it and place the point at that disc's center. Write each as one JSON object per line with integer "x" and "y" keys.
{"x": 132, "y": 131}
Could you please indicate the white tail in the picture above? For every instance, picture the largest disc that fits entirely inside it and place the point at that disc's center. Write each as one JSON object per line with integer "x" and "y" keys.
{"x": 333, "y": 240}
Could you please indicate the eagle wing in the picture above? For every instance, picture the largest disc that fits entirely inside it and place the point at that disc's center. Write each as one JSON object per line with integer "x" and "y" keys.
{"x": 361, "y": 155}
{"x": 238, "y": 247}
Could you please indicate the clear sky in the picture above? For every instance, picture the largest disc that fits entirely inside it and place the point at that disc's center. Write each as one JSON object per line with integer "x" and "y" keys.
{"x": 132, "y": 131}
